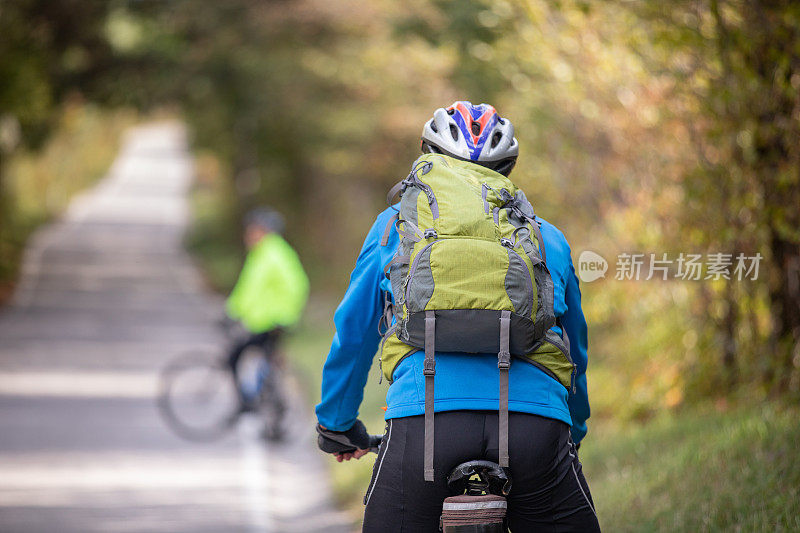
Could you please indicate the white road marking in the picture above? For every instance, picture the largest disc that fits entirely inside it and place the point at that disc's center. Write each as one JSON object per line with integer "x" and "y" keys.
{"x": 79, "y": 384}
{"x": 254, "y": 471}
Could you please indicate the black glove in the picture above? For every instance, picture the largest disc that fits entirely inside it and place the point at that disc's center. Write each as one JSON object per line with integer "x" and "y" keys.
{"x": 338, "y": 442}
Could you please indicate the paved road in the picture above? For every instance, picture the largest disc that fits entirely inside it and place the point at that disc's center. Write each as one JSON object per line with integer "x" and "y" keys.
{"x": 107, "y": 296}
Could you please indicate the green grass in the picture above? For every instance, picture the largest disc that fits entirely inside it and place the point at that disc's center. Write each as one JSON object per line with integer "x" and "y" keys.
{"x": 699, "y": 470}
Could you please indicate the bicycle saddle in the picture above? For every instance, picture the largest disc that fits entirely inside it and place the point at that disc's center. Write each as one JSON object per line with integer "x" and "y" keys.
{"x": 491, "y": 479}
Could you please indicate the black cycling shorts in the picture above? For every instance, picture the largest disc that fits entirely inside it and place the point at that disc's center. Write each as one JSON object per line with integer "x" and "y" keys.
{"x": 548, "y": 494}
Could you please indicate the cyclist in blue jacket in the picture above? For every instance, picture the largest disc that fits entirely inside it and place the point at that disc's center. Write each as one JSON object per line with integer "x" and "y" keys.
{"x": 547, "y": 422}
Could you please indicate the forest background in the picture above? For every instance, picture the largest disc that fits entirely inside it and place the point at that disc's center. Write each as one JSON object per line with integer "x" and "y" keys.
{"x": 649, "y": 132}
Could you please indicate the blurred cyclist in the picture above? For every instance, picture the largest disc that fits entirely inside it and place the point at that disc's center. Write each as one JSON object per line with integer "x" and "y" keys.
{"x": 547, "y": 419}
{"x": 272, "y": 288}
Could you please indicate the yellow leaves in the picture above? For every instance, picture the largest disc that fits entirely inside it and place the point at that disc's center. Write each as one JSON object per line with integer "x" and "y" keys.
{"x": 674, "y": 397}
{"x": 689, "y": 340}
{"x": 319, "y": 62}
{"x": 481, "y": 50}
{"x": 589, "y": 109}
{"x": 562, "y": 71}
{"x": 534, "y": 10}
{"x": 648, "y": 116}
{"x": 488, "y": 18}
{"x": 208, "y": 169}
{"x": 521, "y": 82}
{"x": 626, "y": 97}
{"x": 123, "y": 31}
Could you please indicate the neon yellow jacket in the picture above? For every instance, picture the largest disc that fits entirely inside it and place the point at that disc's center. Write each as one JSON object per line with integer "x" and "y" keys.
{"x": 272, "y": 287}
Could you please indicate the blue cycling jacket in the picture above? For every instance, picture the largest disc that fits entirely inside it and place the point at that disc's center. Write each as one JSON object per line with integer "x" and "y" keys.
{"x": 463, "y": 381}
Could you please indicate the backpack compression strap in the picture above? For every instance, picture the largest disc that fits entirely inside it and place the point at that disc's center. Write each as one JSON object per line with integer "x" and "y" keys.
{"x": 429, "y": 371}
{"x": 503, "y": 363}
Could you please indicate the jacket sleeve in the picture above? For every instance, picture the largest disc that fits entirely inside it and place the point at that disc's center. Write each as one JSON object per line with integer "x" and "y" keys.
{"x": 575, "y": 324}
{"x": 355, "y": 341}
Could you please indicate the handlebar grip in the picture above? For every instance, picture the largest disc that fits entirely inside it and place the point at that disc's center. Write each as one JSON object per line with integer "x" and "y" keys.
{"x": 374, "y": 442}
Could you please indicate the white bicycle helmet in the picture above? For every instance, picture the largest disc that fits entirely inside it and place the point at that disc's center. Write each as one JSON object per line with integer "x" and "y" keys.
{"x": 472, "y": 133}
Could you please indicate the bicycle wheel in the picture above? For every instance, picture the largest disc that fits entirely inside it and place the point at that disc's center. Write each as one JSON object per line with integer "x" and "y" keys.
{"x": 272, "y": 407}
{"x": 198, "y": 398}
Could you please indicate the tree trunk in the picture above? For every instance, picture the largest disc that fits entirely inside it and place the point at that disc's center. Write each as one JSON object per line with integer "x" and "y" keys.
{"x": 729, "y": 329}
{"x": 785, "y": 297}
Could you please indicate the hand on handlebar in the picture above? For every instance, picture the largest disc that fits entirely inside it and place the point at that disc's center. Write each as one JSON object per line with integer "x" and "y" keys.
{"x": 374, "y": 442}
{"x": 345, "y": 445}
{"x": 358, "y": 454}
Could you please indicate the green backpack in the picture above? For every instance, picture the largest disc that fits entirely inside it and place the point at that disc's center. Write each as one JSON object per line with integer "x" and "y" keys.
{"x": 469, "y": 276}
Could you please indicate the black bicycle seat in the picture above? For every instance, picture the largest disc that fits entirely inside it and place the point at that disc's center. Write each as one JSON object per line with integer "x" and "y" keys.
{"x": 491, "y": 479}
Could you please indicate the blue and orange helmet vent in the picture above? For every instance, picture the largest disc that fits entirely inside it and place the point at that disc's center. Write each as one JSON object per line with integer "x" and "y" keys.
{"x": 475, "y": 122}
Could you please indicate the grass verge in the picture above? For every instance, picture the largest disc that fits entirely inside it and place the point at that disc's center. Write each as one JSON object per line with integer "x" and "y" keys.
{"x": 699, "y": 470}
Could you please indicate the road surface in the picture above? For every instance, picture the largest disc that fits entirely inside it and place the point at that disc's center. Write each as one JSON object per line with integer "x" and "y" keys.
{"x": 107, "y": 296}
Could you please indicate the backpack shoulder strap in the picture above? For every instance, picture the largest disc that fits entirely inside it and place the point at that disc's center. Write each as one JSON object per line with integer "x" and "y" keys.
{"x": 388, "y": 229}
{"x": 396, "y": 189}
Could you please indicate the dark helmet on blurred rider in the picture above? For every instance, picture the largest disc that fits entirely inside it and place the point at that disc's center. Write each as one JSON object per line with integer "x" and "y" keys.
{"x": 265, "y": 218}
